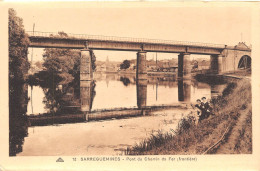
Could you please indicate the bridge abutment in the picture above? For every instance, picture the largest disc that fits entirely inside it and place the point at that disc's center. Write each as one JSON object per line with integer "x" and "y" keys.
{"x": 216, "y": 64}
{"x": 184, "y": 66}
{"x": 86, "y": 73}
{"x": 141, "y": 71}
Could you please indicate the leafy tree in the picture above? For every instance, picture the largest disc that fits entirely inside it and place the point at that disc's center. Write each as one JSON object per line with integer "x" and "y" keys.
{"x": 18, "y": 48}
{"x": 18, "y": 93}
{"x": 64, "y": 62}
{"x": 61, "y": 62}
{"x": 93, "y": 60}
{"x": 125, "y": 64}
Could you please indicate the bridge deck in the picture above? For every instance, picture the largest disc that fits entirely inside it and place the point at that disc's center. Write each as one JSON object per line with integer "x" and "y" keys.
{"x": 97, "y": 42}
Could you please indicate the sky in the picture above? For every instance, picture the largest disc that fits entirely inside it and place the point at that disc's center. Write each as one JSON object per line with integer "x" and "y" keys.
{"x": 219, "y": 25}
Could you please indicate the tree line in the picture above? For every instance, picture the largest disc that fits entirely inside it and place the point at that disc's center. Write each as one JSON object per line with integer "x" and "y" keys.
{"x": 18, "y": 48}
{"x": 60, "y": 64}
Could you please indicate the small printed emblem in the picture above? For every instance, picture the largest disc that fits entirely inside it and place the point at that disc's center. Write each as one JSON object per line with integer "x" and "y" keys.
{"x": 59, "y": 160}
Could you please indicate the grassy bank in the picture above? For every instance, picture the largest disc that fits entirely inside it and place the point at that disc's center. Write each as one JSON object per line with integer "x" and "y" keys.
{"x": 243, "y": 72}
{"x": 231, "y": 127}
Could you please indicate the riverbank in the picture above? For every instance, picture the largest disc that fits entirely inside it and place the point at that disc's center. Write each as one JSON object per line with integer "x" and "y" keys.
{"x": 229, "y": 131}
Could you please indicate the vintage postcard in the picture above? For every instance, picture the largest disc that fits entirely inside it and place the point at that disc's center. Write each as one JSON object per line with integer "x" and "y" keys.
{"x": 130, "y": 86}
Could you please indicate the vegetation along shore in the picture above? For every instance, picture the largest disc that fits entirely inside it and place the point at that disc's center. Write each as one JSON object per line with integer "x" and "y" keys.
{"x": 228, "y": 131}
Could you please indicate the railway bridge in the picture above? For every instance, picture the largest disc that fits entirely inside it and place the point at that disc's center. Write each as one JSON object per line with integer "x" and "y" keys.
{"x": 223, "y": 58}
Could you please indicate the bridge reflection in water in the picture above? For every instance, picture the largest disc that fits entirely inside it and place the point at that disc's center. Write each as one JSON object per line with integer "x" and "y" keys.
{"x": 141, "y": 91}
{"x": 81, "y": 102}
{"x": 184, "y": 90}
{"x": 75, "y": 103}
{"x": 86, "y": 95}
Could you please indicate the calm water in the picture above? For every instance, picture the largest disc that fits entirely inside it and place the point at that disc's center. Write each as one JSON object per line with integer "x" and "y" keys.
{"x": 109, "y": 91}
{"x": 106, "y": 92}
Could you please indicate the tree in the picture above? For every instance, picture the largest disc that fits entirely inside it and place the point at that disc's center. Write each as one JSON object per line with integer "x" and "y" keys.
{"x": 18, "y": 93}
{"x": 125, "y": 64}
{"x": 64, "y": 62}
{"x": 18, "y": 48}
{"x": 61, "y": 62}
{"x": 93, "y": 60}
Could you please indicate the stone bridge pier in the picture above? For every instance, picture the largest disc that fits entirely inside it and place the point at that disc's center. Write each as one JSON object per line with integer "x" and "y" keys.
{"x": 184, "y": 66}
{"x": 86, "y": 73}
{"x": 141, "y": 72}
{"x": 216, "y": 64}
{"x": 86, "y": 82}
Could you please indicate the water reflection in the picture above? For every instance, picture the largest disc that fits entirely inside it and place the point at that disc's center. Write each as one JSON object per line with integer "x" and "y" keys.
{"x": 184, "y": 90}
{"x": 62, "y": 99}
{"x": 37, "y": 100}
{"x": 141, "y": 91}
{"x": 87, "y": 94}
{"x": 106, "y": 92}
{"x": 125, "y": 80}
{"x": 110, "y": 91}
{"x": 18, "y": 123}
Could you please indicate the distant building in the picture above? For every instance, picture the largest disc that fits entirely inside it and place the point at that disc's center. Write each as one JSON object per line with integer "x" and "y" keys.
{"x": 165, "y": 65}
{"x": 151, "y": 65}
{"x": 203, "y": 65}
{"x": 107, "y": 66}
{"x": 101, "y": 67}
{"x": 111, "y": 67}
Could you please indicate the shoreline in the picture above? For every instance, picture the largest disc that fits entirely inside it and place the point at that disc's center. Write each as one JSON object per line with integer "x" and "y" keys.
{"x": 229, "y": 131}
{"x": 120, "y": 113}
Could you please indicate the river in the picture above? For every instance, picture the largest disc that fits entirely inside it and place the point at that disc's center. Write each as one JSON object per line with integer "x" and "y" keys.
{"x": 107, "y": 92}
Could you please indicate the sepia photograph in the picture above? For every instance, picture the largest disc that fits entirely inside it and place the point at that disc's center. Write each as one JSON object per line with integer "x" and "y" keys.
{"x": 129, "y": 81}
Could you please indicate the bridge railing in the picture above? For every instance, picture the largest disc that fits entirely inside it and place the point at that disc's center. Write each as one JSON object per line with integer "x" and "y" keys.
{"x": 123, "y": 39}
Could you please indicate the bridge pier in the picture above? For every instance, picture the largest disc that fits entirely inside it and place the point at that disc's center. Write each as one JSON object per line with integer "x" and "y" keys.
{"x": 184, "y": 66}
{"x": 141, "y": 89}
{"x": 141, "y": 72}
{"x": 216, "y": 64}
{"x": 86, "y": 73}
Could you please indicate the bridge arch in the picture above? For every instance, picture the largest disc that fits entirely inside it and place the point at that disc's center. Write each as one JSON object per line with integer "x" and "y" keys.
{"x": 244, "y": 62}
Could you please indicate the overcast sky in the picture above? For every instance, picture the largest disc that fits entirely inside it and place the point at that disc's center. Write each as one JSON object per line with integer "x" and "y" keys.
{"x": 222, "y": 25}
